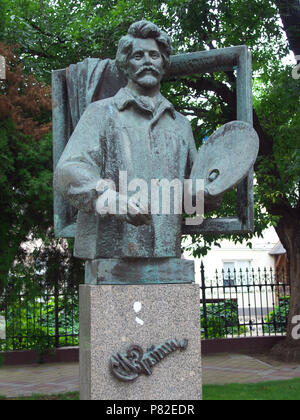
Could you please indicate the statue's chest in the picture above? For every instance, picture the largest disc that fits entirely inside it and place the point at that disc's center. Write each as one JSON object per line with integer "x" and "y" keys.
{"x": 148, "y": 147}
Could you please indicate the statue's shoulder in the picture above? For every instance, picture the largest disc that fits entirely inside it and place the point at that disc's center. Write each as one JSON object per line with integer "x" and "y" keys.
{"x": 101, "y": 106}
{"x": 102, "y": 103}
{"x": 182, "y": 120}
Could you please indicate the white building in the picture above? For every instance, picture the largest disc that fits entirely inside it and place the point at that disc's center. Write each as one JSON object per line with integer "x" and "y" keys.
{"x": 245, "y": 275}
{"x": 239, "y": 256}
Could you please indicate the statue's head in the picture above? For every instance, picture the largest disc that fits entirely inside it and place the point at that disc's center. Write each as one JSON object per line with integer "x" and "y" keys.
{"x": 144, "y": 53}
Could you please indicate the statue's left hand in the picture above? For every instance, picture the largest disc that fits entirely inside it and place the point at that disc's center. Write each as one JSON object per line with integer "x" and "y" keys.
{"x": 137, "y": 214}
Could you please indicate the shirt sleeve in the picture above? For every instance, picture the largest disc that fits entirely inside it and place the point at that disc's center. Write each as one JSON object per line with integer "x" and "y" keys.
{"x": 79, "y": 168}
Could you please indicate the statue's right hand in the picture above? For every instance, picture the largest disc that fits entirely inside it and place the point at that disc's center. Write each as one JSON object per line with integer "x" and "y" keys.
{"x": 129, "y": 210}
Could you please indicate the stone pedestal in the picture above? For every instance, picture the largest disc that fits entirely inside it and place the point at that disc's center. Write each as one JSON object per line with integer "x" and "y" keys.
{"x": 115, "y": 317}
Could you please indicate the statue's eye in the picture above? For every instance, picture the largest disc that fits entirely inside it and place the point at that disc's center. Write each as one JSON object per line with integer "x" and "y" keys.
{"x": 155, "y": 55}
{"x": 137, "y": 56}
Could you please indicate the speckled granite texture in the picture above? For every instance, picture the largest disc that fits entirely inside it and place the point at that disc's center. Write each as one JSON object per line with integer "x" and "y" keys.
{"x": 114, "y": 317}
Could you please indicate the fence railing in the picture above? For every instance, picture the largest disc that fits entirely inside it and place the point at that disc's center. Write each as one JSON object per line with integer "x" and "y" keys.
{"x": 233, "y": 304}
{"x": 39, "y": 321}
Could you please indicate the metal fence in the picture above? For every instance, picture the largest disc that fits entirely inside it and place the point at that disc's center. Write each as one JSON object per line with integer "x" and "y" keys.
{"x": 39, "y": 321}
{"x": 233, "y": 304}
{"x": 244, "y": 303}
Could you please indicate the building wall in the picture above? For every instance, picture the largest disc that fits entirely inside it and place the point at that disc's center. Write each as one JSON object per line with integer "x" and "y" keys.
{"x": 258, "y": 256}
{"x": 249, "y": 299}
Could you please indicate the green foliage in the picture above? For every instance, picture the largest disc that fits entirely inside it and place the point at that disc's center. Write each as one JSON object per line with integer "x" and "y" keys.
{"x": 221, "y": 320}
{"x": 276, "y": 321}
{"x": 287, "y": 390}
{"x": 42, "y": 293}
{"x": 54, "y": 34}
{"x": 25, "y": 191}
{"x": 279, "y": 176}
{"x": 30, "y": 323}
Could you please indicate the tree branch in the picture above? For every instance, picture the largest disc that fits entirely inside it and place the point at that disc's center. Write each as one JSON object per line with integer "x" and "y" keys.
{"x": 43, "y": 32}
{"x": 266, "y": 141}
{"x": 39, "y": 53}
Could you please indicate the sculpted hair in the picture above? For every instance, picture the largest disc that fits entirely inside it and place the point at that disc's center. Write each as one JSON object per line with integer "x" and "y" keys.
{"x": 143, "y": 30}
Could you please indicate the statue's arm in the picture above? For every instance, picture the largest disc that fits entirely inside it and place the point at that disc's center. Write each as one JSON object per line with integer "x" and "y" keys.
{"x": 78, "y": 170}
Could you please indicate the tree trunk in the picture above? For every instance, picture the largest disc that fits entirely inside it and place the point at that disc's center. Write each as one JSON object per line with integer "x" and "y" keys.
{"x": 288, "y": 231}
{"x": 290, "y": 14}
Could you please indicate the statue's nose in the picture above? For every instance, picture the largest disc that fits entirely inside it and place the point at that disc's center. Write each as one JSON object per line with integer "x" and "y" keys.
{"x": 147, "y": 58}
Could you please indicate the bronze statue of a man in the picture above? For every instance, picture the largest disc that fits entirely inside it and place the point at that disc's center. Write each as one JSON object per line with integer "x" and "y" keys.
{"x": 137, "y": 132}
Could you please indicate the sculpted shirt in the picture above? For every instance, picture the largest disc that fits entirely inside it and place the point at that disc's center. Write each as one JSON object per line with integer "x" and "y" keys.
{"x": 125, "y": 133}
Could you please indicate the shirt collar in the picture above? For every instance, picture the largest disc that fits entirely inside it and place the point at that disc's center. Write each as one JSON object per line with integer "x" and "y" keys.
{"x": 124, "y": 98}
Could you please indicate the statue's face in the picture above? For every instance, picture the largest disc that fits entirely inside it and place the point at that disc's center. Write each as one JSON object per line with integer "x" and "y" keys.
{"x": 145, "y": 64}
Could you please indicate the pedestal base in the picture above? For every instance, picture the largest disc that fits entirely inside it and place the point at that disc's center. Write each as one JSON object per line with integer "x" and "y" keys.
{"x": 113, "y": 318}
{"x": 139, "y": 271}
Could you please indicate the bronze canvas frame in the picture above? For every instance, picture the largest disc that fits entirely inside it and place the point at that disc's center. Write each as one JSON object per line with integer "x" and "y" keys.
{"x": 226, "y": 59}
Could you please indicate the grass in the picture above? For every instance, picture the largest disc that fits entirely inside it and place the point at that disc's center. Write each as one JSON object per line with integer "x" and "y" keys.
{"x": 288, "y": 390}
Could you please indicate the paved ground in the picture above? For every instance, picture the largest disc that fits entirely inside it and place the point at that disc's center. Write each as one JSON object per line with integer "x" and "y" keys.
{"x": 217, "y": 369}
{"x": 238, "y": 368}
{"x": 38, "y": 379}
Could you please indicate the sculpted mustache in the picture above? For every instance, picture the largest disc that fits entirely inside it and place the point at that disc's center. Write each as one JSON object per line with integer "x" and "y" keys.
{"x": 147, "y": 68}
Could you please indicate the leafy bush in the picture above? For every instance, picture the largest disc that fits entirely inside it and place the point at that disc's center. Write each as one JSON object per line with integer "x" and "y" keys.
{"x": 276, "y": 321}
{"x": 221, "y": 320}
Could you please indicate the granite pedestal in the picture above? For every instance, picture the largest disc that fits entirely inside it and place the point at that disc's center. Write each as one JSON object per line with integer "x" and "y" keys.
{"x": 115, "y": 317}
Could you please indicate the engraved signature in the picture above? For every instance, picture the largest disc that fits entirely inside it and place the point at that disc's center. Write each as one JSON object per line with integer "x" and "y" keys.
{"x": 127, "y": 367}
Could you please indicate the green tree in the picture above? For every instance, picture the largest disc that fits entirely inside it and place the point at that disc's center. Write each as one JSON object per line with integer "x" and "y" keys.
{"x": 42, "y": 297}
{"x": 25, "y": 166}
{"x": 53, "y": 35}
{"x": 276, "y": 111}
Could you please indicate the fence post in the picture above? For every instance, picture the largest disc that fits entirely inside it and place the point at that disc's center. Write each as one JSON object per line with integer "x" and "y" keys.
{"x": 203, "y": 287}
